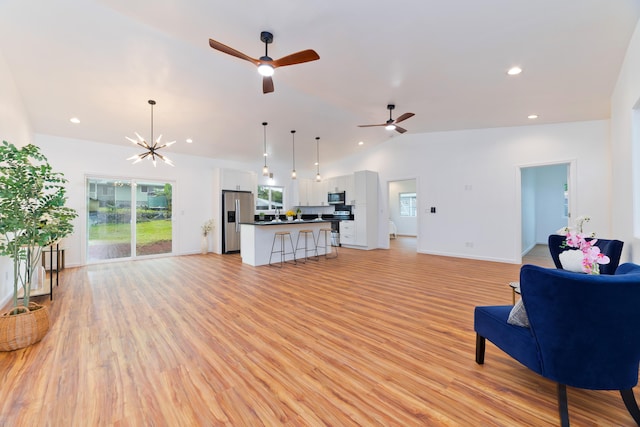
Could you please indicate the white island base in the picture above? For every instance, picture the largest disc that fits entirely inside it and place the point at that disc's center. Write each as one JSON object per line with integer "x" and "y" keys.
{"x": 256, "y": 239}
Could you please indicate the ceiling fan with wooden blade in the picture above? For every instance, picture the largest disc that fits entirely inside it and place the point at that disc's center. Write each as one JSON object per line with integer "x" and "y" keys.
{"x": 265, "y": 64}
{"x": 391, "y": 124}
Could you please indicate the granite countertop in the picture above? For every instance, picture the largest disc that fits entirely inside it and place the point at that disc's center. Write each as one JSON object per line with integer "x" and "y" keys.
{"x": 285, "y": 222}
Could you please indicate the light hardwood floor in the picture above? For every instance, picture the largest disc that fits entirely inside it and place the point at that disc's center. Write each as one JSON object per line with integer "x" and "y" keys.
{"x": 371, "y": 338}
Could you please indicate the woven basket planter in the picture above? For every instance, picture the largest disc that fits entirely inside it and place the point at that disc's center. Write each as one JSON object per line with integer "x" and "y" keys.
{"x": 23, "y": 326}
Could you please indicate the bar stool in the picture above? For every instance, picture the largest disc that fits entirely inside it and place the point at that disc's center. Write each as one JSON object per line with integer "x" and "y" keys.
{"x": 282, "y": 235}
{"x": 328, "y": 247}
{"x": 306, "y": 248}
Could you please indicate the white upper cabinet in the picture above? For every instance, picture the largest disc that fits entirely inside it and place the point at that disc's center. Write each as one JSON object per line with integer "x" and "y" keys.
{"x": 319, "y": 193}
{"x": 312, "y": 193}
{"x": 365, "y": 187}
{"x": 238, "y": 180}
{"x": 349, "y": 188}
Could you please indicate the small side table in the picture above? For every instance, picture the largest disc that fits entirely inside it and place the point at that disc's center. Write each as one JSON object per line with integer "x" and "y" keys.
{"x": 47, "y": 258}
{"x": 515, "y": 288}
{"x": 49, "y": 264}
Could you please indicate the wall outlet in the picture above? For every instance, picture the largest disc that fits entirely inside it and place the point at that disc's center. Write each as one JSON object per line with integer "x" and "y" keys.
{"x": 468, "y": 244}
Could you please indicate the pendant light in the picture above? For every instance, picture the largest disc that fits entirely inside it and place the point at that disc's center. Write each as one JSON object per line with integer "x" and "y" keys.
{"x": 265, "y": 169}
{"x": 152, "y": 149}
{"x": 318, "y": 177}
{"x": 293, "y": 146}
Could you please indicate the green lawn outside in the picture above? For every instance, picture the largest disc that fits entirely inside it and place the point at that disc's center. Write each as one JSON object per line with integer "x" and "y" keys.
{"x": 146, "y": 232}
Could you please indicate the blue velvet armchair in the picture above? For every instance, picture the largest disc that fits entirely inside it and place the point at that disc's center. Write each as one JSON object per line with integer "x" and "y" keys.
{"x": 584, "y": 330}
{"x": 611, "y": 248}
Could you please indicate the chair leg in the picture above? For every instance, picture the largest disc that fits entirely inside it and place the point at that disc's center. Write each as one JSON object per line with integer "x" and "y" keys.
{"x": 563, "y": 405}
{"x": 630, "y": 402}
{"x": 480, "y": 346}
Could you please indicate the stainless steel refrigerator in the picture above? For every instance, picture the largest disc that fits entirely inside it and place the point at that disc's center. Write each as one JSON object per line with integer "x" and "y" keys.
{"x": 237, "y": 207}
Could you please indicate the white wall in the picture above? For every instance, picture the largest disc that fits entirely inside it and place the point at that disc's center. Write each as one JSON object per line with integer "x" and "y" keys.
{"x": 472, "y": 178}
{"x": 14, "y": 128}
{"x": 625, "y": 97}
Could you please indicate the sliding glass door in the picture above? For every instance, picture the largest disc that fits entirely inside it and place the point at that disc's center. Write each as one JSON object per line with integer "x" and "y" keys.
{"x": 153, "y": 218}
{"x": 112, "y": 206}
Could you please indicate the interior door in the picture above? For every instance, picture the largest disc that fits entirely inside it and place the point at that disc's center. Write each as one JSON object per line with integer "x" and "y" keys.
{"x": 153, "y": 228}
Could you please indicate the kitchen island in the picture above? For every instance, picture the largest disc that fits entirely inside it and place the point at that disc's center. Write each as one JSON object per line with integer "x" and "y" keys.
{"x": 256, "y": 238}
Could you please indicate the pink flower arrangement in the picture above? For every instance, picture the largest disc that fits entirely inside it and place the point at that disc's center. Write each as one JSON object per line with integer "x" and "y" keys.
{"x": 591, "y": 256}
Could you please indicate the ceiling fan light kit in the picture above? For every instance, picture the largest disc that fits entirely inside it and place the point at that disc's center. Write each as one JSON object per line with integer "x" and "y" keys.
{"x": 151, "y": 149}
{"x": 265, "y": 70}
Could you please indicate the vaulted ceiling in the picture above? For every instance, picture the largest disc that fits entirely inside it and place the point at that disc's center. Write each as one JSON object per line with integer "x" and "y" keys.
{"x": 445, "y": 61}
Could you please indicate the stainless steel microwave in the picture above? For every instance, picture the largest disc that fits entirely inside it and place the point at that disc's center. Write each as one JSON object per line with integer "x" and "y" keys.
{"x": 337, "y": 198}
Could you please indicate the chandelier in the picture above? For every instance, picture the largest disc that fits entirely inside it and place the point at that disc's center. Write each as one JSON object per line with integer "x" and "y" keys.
{"x": 151, "y": 149}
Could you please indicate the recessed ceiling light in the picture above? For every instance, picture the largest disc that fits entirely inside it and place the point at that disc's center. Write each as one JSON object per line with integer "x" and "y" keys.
{"x": 189, "y": 140}
{"x": 361, "y": 143}
{"x": 532, "y": 116}
{"x": 514, "y": 71}
{"x": 74, "y": 120}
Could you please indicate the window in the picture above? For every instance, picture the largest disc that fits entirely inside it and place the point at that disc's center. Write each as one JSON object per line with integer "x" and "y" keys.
{"x": 269, "y": 198}
{"x": 408, "y": 204}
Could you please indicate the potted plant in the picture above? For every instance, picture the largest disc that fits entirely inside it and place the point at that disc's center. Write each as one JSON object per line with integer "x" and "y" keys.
{"x": 299, "y": 213}
{"x": 586, "y": 257}
{"x": 290, "y": 215}
{"x": 32, "y": 216}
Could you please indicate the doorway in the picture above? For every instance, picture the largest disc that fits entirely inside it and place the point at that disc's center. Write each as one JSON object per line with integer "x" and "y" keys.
{"x": 128, "y": 218}
{"x": 403, "y": 210}
{"x": 545, "y": 199}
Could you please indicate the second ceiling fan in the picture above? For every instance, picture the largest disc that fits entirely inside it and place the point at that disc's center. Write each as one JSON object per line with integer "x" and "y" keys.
{"x": 265, "y": 64}
{"x": 391, "y": 123}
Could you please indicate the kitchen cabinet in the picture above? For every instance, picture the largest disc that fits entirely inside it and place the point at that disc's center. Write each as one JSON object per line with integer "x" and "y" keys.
{"x": 365, "y": 210}
{"x": 312, "y": 193}
{"x": 238, "y": 180}
{"x": 347, "y": 233}
{"x": 348, "y": 186}
{"x": 303, "y": 192}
